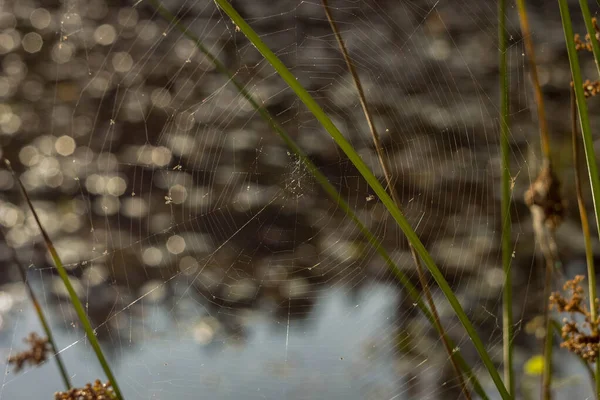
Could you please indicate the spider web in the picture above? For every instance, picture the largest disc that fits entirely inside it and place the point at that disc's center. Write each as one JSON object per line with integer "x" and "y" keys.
{"x": 210, "y": 261}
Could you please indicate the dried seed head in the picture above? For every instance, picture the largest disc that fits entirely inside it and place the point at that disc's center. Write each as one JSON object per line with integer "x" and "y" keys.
{"x": 590, "y": 88}
{"x": 96, "y": 391}
{"x": 38, "y": 351}
{"x": 587, "y": 45}
{"x": 582, "y": 339}
{"x": 544, "y": 193}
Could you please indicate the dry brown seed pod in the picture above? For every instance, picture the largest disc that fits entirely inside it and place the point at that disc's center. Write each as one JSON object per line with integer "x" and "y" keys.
{"x": 37, "y": 354}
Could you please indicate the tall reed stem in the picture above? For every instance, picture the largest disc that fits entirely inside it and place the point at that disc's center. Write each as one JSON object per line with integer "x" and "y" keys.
{"x": 592, "y": 167}
{"x": 62, "y": 272}
{"x": 507, "y": 315}
{"x": 585, "y": 228}
{"x": 42, "y": 317}
{"x": 590, "y": 155}
{"x": 548, "y": 340}
{"x": 584, "y": 122}
{"x": 394, "y": 193}
{"x": 543, "y": 234}
{"x": 379, "y": 190}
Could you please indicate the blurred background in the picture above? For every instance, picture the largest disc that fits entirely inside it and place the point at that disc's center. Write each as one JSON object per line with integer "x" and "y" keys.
{"x": 209, "y": 260}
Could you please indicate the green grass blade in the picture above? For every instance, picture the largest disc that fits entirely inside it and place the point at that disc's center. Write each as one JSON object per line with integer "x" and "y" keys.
{"x": 507, "y": 317}
{"x": 584, "y": 121}
{"x": 42, "y": 317}
{"x": 586, "y": 132}
{"x": 62, "y": 272}
{"x": 347, "y": 148}
{"x": 585, "y": 226}
{"x": 327, "y": 187}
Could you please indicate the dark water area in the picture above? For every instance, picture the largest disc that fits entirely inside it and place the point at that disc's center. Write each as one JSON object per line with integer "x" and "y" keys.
{"x": 209, "y": 260}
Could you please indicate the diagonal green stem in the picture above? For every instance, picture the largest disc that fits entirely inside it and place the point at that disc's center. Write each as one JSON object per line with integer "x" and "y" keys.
{"x": 42, "y": 317}
{"x": 584, "y": 121}
{"x": 507, "y": 315}
{"x": 87, "y": 327}
{"x": 327, "y": 187}
{"x": 347, "y": 148}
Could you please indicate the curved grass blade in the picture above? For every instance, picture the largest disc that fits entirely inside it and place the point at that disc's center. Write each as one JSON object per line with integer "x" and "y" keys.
{"x": 87, "y": 327}
{"x": 353, "y": 156}
{"x": 327, "y": 187}
{"x": 507, "y": 315}
{"x": 586, "y": 133}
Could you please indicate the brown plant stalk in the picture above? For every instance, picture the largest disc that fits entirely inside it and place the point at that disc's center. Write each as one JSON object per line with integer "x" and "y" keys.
{"x": 395, "y": 196}
{"x": 543, "y": 197}
{"x": 537, "y": 89}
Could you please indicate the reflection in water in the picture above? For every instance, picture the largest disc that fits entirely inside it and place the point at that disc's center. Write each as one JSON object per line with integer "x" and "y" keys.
{"x": 342, "y": 349}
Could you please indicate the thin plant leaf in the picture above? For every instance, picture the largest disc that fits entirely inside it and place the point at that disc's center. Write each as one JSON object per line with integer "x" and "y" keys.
{"x": 507, "y": 315}
{"x": 364, "y": 170}
{"x": 62, "y": 272}
{"x": 585, "y": 228}
{"x": 586, "y": 133}
{"x": 327, "y": 187}
{"x": 42, "y": 317}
